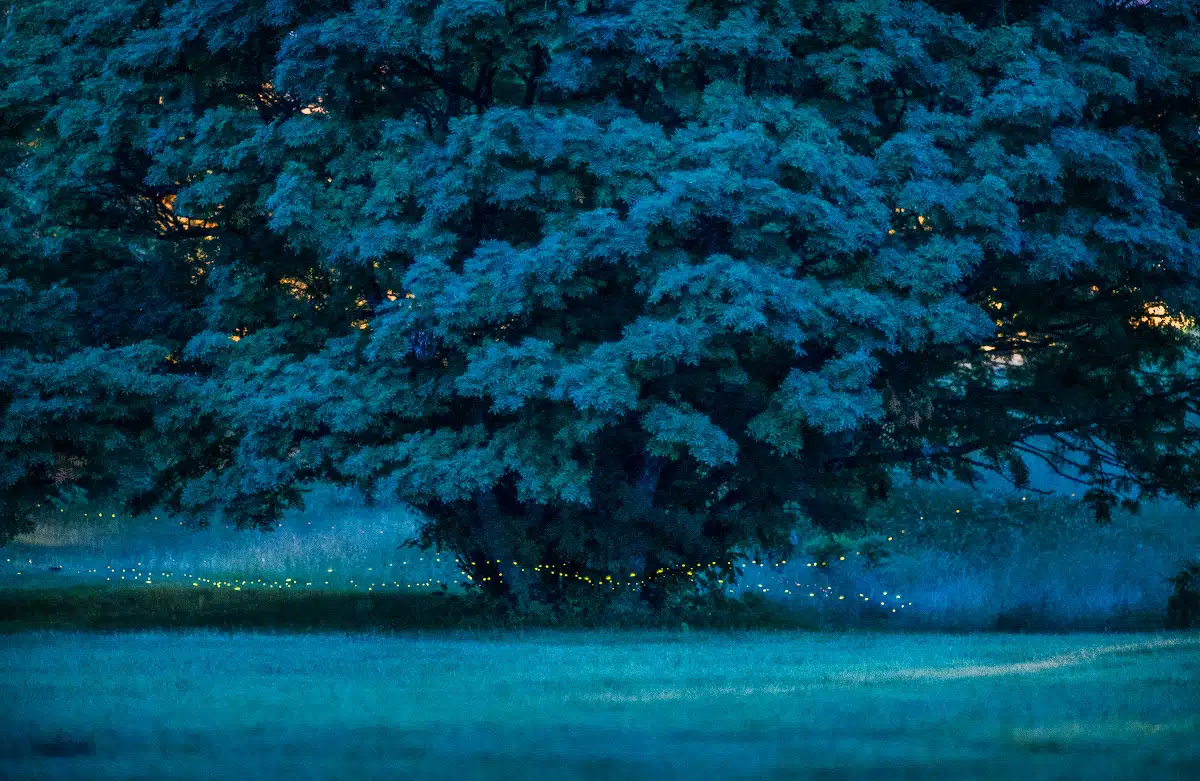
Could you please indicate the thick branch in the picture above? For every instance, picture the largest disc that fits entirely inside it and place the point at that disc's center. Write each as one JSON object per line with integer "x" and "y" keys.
{"x": 914, "y": 454}
{"x": 448, "y": 86}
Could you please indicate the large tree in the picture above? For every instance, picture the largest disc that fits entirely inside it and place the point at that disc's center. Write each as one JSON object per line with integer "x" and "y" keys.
{"x": 616, "y": 286}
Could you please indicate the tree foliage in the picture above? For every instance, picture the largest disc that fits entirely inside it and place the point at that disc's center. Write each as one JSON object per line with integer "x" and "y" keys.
{"x": 610, "y": 284}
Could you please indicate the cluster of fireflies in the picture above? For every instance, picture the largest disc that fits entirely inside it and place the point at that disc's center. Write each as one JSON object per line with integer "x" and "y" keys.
{"x": 135, "y": 576}
{"x": 634, "y": 581}
{"x": 141, "y": 575}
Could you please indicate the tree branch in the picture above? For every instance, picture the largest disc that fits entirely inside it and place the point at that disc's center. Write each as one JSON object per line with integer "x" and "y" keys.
{"x": 912, "y": 454}
{"x": 448, "y": 86}
{"x": 1012, "y": 482}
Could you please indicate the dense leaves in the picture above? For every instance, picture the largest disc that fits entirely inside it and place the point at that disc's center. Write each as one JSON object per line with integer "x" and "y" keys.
{"x": 613, "y": 284}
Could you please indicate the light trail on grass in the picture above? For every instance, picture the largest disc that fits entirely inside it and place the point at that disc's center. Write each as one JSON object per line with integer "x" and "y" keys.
{"x": 1016, "y": 668}
{"x": 919, "y": 673}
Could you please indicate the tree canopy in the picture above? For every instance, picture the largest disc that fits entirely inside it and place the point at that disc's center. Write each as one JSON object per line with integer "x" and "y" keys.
{"x": 611, "y": 284}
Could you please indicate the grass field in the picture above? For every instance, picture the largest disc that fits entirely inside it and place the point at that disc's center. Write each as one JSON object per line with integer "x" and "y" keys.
{"x": 221, "y": 695}
{"x": 598, "y": 705}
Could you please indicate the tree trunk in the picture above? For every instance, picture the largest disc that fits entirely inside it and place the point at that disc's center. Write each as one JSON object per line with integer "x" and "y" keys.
{"x": 496, "y": 554}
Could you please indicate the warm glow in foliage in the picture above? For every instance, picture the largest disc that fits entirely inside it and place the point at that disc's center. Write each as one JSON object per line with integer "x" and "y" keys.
{"x": 1157, "y": 316}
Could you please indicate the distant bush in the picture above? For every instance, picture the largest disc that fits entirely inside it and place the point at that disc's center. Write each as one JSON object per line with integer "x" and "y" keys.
{"x": 1183, "y": 607}
{"x": 1030, "y": 615}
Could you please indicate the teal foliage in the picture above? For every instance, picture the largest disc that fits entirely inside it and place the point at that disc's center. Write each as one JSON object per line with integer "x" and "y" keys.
{"x": 607, "y": 284}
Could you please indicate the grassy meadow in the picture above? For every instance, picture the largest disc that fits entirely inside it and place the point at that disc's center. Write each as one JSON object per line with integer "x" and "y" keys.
{"x": 598, "y": 705}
